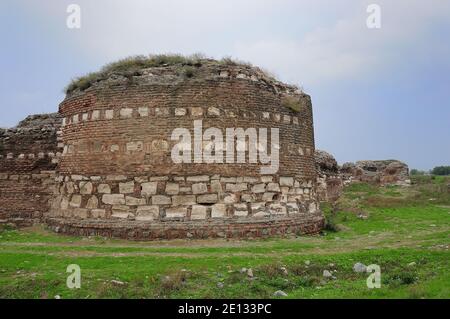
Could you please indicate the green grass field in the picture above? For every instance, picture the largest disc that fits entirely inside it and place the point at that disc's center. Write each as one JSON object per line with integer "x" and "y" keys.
{"x": 406, "y": 231}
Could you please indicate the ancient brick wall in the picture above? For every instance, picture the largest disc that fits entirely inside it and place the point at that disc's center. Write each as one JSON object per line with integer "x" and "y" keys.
{"x": 28, "y": 158}
{"x": 329, "y": 181}
{"x": 116, "y": 169}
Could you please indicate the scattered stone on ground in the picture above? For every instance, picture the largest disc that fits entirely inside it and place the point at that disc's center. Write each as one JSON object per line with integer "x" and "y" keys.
{"x": 359, "y": 267}
{"x": 280, "y": 293}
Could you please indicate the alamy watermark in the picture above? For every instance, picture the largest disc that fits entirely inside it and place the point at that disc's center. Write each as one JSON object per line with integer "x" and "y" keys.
{"x": 213, "y": 146}
{"x": 374, "y": 19}
{"x": 74, "y": 18}
{"x": 74, "y": 279}
{"x": 374, "y": 279}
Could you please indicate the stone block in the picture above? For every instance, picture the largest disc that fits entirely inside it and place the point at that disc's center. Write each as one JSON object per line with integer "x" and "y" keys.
{"x": 104, "y": 189}
{"x": 268, "y": 197}
{"x": 147, "y": 213}
{"x": 230, "y": 198}
{"x": 277, "y": 209}
{"x": 159, "y": 178}
{"x": 292, "y": 208}
{"x": 259, "y": 188}
{"x": 248, "y": 198}
{"x": 176, "y": 212}
{"x": 98, "y": 213}
{"x": 75, "y": 201}
{"x": 179, "y": 200}
{"x": 113, "y": 199}
{"x": 216, "y": 186}
{"x": 258, "y": 207}
{"x": 86, "y": 188}
{"x": 126, "y": 113}
{"x": 236, "y": 187}
{"x": 240, "y": 210}
{"x": 143, "y": 111}
{"x": 126, "y": 188}
{"x": 116, "y": 178}
{"x": 199, "y": 188}
{"x": 149, "y": 188}
{"x": 109, "y": 114}
{"x": 287, "y": 181}
{"x": 78, "y": 178}
{"x": 196, "y": 111}
{"x": 213, "y": 111}
{"x": 198, "y": 179}
{"x": 92, "y": 203}
{"x": 218, "y": 211}
{"x": 95, "y": 115}
{"x": 135, "y": 146}
{"x": 64, "y": 203}
{"x": 186, "y": 189}
{"x": 161, "y": 200}
{"x": 81, "y": 213}
{"x": 141, "y": 179}
{"x": 133, "y": 201}
{"x": 172, "y": 188}
{"x": 251, "y": 180}
{"x": 180, "y": 111}
{"x": 198, "y": 212}
{"x": 207, "y": 199}
{"x": 273, "y": 187}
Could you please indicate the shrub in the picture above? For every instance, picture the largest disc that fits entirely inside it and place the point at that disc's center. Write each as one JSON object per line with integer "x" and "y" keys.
{"x": 131, "y": 65}
{"x": 330, "y": 224}
{"x": 441, "y": 170}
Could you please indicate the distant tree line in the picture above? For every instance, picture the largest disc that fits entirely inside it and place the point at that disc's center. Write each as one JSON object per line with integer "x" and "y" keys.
{"x": 438, "y": 170}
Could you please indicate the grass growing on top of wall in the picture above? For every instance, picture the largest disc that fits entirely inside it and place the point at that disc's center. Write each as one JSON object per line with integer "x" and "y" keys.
{"x": 403, "y": 230}
{"x": 131, "y": 66}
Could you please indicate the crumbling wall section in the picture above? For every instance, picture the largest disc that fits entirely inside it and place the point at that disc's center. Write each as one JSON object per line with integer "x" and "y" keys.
{"x": 29, "y": 155}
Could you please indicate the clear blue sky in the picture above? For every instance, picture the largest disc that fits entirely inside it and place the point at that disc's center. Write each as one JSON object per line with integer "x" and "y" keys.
{"x": 377, "y": 93}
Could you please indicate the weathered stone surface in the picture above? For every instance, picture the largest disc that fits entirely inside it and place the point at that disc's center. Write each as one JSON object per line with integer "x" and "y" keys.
{"x": 149, "y": 189}
{"x": 259, "y": 188}
{"x": 268, "y": 197}
{"x": 218, "y": 211}
{"x": 82, "y": 213}
{"x": 147, "y": 213}
{"x": 216, "y": 186}
{"x": 183, "y": 200}
{"x": 86, "y": 188}
{"x": 287, "y": 181}
{"x": 98, "y": 213}
{"x": 207, "y": 199}
{"x": 75, "y": 201}
{"x": 273, "y": 187}
{"x": 172, "y": 188}
{"x": 126, "y": 188}
{"x": 104, "y": 189}
{"x": 176, "y": 212}
{"x": 199, "y": 188}
{"x": 236, "y": 187}
{"x": 277, "y": 209}
{"x": 113, "y": 199}
{"x": 230, "y": 198}
{"x": 198, "y": 212}
{"x": 197, "y": 179}
{"x": 161, "y": 200}
{"x": 92, "y": 203}
{"x": 133, "y": 201}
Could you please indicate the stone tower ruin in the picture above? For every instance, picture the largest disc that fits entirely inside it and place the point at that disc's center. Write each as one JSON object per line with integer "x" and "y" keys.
{"x": 115, "y": 175}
